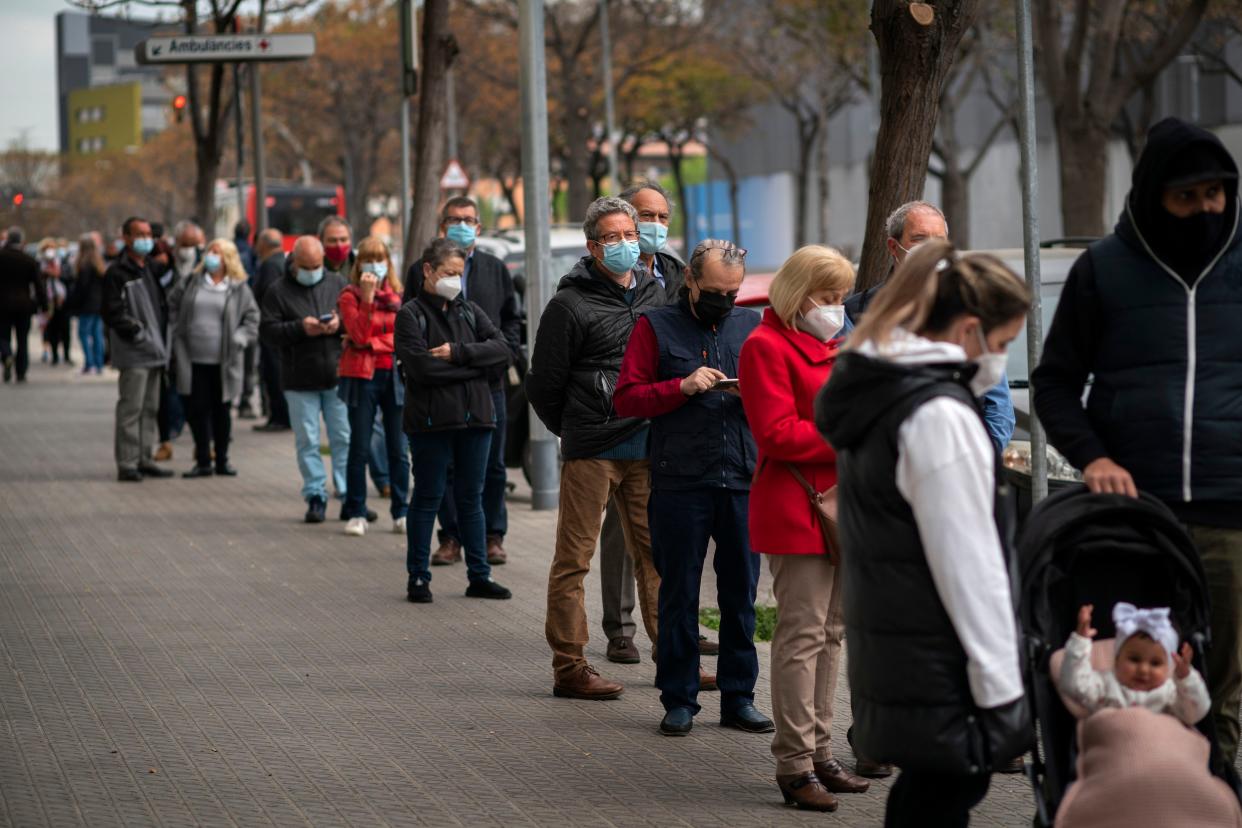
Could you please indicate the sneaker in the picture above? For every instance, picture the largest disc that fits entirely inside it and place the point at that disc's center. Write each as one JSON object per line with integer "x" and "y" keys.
{"x": 398, "y": 526}
{"x": 316, "y": 510}
{"x": 418, "y": 591}
{"x": 356, "y": 527}
{"x": 488, "y": 589}
{"x": 372, "y": 515}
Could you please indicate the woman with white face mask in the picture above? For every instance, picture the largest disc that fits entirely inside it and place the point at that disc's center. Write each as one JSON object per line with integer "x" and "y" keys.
{"x": 784, "y": 363}
{"x": 934, "y": 661}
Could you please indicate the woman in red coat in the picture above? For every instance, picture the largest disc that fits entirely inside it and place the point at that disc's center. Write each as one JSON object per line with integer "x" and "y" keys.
{"x": 368, "y": 382}
{"x": 783, "y": 365}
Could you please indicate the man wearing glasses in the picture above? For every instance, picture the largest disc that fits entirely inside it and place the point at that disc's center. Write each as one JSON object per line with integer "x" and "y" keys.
{"x": 582, "y": 337}
{"x": 680, "y": 370}
{"x": 486, "y": 282}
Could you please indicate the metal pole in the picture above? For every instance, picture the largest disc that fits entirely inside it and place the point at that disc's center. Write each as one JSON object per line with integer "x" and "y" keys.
{"x": 241, "y": 144}
{"x": 405, "y": 168}
{"x": 452, "y": 114}
{"x": 1030, "y": 236}
{"x": 409, "y": 87}
{"x": 610, "y": 117}
{"x": 256, "y": 129}
{"x": 545, "y": 469}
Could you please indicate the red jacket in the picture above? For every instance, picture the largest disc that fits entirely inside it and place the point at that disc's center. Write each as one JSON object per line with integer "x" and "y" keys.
{"x": 780, "y": 372}
{"x": 368, "y": 331}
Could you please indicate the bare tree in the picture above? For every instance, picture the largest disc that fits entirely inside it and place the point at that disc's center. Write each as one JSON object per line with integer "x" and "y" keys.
{"x": 439, "y": 49}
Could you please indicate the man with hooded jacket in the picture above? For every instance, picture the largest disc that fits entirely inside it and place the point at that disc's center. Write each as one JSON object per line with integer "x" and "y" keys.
{"x": 1151, "y": 311}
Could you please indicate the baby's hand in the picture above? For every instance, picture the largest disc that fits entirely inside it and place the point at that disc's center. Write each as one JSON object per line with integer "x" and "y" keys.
{"x": 1181, "y": 662}
{"x": 1084, "y": 621}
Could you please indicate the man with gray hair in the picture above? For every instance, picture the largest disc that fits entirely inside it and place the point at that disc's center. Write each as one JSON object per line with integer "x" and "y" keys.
{"x": 582, "y": 337}
{"x": 190, "y": 241}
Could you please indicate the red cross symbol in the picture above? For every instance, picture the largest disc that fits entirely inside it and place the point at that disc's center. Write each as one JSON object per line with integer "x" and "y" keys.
{"x": 264, "y": 43}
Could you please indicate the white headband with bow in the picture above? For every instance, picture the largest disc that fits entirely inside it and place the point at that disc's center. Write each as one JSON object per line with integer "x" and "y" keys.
{"x": 1129, "y": 619}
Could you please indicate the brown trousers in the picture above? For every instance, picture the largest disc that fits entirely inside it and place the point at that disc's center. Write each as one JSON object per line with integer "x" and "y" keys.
{"x": 586, "y": 486}
{"x": 806, "y": 650}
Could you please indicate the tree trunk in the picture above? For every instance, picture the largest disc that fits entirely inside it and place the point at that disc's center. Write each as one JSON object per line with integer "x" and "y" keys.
{"x": 577, "y": 161}
{"x": 675, "y": 153}
{"x": 734, "y": 213}
{"x": 825, "y": 184}
{"x": 439, "y": 48}
{"x": 808, "y": 131}
{"x": 507, "y": 186}
{"x": 955, "y": 203}
{"x": 1083, "y": 149}
{"x": 914, "y": 61}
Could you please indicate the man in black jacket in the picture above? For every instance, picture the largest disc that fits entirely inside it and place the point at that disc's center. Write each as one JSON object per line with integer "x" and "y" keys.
{"x": 582, "y": 337}
{"x": 1152, "y": 312}
{"x": 21, "y": 292}
{"x": 485, "y": 282}
{"x": 299, "y": 319}
{"x": 271, "y": 255}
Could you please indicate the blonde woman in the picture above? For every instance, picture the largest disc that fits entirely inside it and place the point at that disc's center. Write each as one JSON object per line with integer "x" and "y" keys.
{"x": 783, "y": 365}
{"x": 214, "y": 317}
{"x": 934, "y": 662}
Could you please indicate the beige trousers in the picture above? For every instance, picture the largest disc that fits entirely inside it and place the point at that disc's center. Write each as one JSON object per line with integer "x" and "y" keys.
{"x": 586, "y": 486}
{"x": 806, "y": 649}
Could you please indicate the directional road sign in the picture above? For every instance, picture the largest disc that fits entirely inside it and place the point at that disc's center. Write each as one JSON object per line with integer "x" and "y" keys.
{"x": 225, "y": 48}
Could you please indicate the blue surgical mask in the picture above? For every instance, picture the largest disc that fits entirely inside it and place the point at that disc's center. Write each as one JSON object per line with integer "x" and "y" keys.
{"x": 620, "y": 257}
{"x": 461, "y": 235}
{"x": 309, "y": 278}
{"x": 651, "y": 236}
{"x": 211, "y": 262}
{"x": 378, "y": 269}
{"x": 143, "y": 246}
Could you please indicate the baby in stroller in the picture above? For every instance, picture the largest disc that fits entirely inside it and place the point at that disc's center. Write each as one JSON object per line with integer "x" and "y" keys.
{"x": 1145, "y": 645}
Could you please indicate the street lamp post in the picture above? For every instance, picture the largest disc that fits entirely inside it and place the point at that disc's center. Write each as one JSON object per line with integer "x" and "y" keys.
{"x": 610, "y": 118}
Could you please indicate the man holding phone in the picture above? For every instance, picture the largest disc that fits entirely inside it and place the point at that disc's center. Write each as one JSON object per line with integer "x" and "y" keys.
{"x": 299, "y": 320}
{"x": 680, "y": 370}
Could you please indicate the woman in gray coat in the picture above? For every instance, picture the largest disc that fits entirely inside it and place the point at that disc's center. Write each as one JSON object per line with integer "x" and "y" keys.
{"x": 214, "y": 318}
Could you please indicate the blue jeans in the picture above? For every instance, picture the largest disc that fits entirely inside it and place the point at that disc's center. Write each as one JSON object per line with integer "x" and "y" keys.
{"x": 681, "y": 524}
{"x": 305, "y": 408}
{"x": 379, "y": 393}
{"x": 90, "y": 333}
{"x": 496, "y": 480}
{"x": 465, "y": 449}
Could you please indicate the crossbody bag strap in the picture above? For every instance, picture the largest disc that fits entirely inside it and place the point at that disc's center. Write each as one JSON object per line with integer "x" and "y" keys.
{"x": 807, "y": 487}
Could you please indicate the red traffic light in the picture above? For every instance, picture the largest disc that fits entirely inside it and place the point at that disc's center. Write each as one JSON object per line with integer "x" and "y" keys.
{"x": 18, "y": 198}
{"x": 179, "y": 102}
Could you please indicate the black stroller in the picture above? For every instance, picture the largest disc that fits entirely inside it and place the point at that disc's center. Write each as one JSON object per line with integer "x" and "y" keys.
{"x": 1078, "y": 548}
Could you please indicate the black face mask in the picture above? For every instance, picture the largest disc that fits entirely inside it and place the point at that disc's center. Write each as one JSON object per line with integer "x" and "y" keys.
{"x": 710, "y": 307}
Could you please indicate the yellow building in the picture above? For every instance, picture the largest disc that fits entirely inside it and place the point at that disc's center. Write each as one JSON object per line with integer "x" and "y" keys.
{"x": 105, "y": 118}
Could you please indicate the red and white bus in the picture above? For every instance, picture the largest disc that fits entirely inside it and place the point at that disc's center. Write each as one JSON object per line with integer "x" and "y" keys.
{"x": 293, "y": 209}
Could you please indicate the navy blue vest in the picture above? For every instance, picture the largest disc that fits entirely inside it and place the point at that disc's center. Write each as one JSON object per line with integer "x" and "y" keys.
{"x": 1167, "y": 396}
{"x": 707, "y": 442}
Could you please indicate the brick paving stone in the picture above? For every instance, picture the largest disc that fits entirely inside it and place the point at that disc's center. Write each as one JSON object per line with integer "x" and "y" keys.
{"x": 271, "y": 672}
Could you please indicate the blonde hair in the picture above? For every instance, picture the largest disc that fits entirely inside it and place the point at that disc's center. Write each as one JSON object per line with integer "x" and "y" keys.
{"x": 373, "y": 248}
{"x": 809, "y": 270}
{"x": 935, "y": 285}
{"x": 230, "y": 261}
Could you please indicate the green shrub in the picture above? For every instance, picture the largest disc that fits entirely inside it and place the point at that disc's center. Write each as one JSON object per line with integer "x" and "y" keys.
{"x": 765, "y": 620}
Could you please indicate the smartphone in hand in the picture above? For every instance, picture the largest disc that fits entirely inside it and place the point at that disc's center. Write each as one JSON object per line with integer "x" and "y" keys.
{"x": 724, "y": 384}
{"x": 325, "y": 319}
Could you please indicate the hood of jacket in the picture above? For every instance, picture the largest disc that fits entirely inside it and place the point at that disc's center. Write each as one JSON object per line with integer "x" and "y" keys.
{"x": 871, "y": 380}
{"x": 1146, "y": 224}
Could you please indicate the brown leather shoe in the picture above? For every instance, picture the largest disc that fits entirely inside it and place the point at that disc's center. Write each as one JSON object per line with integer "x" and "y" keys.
{"x": 708, "y": 648}
{"x": 707, "y": 682}
{"x": 448, "y": 553}
{"x": 807, "y": 792}
{"x": 871, "y": 769}
{"x": 837, "y": 779}
{"x": 622, "y": 650}
{"x": 496, "y": 554}
{"x": 587, "y": 684}
{"x": 164, "y": 453}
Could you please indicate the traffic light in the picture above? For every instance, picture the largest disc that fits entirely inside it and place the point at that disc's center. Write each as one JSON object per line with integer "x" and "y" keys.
{"x": 18, "y": 198}
{"x": 179, "y": 107}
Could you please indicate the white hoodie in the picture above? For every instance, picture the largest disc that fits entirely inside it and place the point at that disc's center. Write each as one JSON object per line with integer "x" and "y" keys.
{"x": 946, "y": 472}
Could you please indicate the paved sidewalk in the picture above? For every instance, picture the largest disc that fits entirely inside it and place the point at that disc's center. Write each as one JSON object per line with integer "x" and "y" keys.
{"x": 188, "y": 652}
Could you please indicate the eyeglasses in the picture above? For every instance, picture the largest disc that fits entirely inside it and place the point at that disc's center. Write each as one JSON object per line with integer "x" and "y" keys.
{"x": 613, "y": 238}
{"x": 468, "y": 220}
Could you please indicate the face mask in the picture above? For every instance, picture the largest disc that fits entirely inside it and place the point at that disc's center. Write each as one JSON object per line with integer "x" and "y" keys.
{"x": 710, "y": 308}
{"x": 378, "y": 269}
{"x": 651, "y": 236}
{"x": 461, "y": 235}
{"x": 309, "y": 278}
{"x": 448, "y": 287}
{"x": 120, "y": 245}
{"x": 186, "y": 255}
{"x": 211, "y": 262}
{"x": 824, "y": 321}
{"x": 50, "y": 253}
{"x": 336, "y": 253}
{"x": 991, "y": 367}
{"x": 144, "y": 245}
{"x": 62, "y": 252}
{"x": 620, "y": 257}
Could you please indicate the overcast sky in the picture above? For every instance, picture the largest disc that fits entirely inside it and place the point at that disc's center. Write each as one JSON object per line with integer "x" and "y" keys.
{"x": 28, "y": 43}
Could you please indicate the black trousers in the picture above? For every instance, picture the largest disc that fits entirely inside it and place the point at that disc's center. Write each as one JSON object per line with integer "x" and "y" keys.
{"x": 209, "y": 414}
{"x": 934, "y": 800}
{"x": 19, "y": 324}
{"x": 269, "y": 373}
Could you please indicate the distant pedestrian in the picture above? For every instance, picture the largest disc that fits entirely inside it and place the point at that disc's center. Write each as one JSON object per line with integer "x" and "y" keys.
{"x": 136, "y": 312}
{"x": 250, "y": 378}
{"x": 783, "y": 365}
{"x": 171, "y": 420}
{"x": 214, "y": 318}
{"x": 88, "y": 302}
{"x": 338, "y": 251}
{"x": 369, "y": 382}
{"x": 447, "y": 346}
{"x": 299, "y": 319}
{"x": 934, "y": 650}
{"x": 188, "y": 252}
{"x": 54, "y": 317}
{"x": 270, "y": 252}
{"x": 21, "y": 294}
